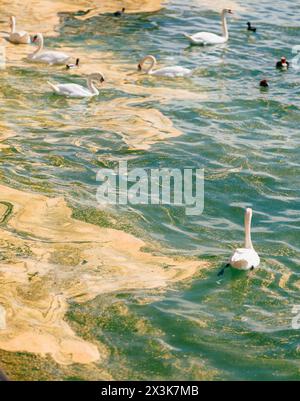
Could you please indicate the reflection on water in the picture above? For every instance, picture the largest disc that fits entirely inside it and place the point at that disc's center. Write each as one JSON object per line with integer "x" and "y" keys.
{"x": 100, "y": 302}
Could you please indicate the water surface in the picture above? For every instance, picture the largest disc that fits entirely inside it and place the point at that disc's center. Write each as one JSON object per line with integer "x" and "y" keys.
{"x": 247, "y": 140}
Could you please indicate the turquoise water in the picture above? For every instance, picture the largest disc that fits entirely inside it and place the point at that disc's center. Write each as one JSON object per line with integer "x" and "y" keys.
{"x": 247, "y": 140}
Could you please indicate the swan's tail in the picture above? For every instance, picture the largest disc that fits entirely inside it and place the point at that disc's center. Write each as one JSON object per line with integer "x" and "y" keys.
{"x": 188, "y": 37}
{"x": 54, "y": 87}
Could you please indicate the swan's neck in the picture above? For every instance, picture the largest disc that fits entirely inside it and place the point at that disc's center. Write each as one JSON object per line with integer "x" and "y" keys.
{"x": 224, "y": 26}
{"x": 40, "y": 45}
{"x": 248, "y": 242}
{"x": 13, "y": 25}
{"x": 92, "y": 87}
{"x": 152, "y": 60}
{"x": 151, "y": 66}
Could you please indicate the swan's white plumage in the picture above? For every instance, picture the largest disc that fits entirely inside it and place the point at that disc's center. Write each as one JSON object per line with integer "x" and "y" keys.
{"x": 50, "y": 57}
{"x": 208, "y": 38}
{"x": 170, "y": 72}
{"x": 75, "y": 90}
{"x": 21, "y": 37}
{"x": 18, "y": 37}
{"x": 245, "y": 258}
{"x": 72, "y": 90}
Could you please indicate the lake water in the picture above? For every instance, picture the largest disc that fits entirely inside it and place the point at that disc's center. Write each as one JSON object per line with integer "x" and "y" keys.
{"x": 246, "y": 140}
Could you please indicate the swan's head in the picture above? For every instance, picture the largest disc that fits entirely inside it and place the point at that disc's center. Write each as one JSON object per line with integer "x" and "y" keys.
{"x": 227, "y": 11}
{"x": 38, "y": 38}
{"x": 97, "y": 77}
{"x": 123, "y": 10}
{"x": 283, "y": 60}
{"x": 248, "y": 213}
{"x": 249, "y": 24}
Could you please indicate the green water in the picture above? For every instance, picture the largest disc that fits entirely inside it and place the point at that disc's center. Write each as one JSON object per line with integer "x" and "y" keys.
{"x": 237, "y": 327}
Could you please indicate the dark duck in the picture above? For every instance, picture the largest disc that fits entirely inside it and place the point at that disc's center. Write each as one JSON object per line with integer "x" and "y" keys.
{"x": 71, "y": 66}
{"x": 250, "y": 27}
{"x": 283, "y": 64}
{"x": 119, "y": 13}
{"x": 264, "y": 83}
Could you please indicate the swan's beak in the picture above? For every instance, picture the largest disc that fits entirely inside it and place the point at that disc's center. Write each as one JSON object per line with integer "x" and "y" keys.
{"x": 230, "y": 12}
{"x": 34, "y": 39}
{"x": 139, "y": 67}
{"x": 102, "y": 79}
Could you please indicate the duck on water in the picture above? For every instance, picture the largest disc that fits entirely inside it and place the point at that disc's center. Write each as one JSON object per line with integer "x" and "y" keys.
{"x": 72, "y": 66}
{"x": 250, "y": 27}
{"x": 264, "y": 83}
{"x": 283, "y": 64}
{"x": 120, "y": 13}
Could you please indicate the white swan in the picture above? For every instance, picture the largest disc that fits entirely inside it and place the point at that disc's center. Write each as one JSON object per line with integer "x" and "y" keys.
{"x": 47, "y": 56}
{"x": 207, "y": 38}
{"x": 244, "y": 258}
{"x": 170, "y": 72}
{"x": 74, "y": 90}
{"x": 20, "y": 37}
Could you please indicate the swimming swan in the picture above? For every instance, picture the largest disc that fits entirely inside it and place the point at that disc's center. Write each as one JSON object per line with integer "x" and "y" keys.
{"x": 207, "y": 38}
{"x": 170, "y": 72}
{"x": 20, "y": 37}
{"x": 244, "y": 258}
{"x": 74, "y": 90}
{"x": 47, "y": 56}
